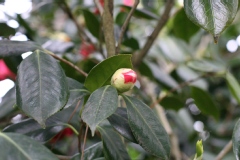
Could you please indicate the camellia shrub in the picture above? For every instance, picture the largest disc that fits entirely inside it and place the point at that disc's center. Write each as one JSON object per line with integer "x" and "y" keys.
{"x": 121, "y": 80}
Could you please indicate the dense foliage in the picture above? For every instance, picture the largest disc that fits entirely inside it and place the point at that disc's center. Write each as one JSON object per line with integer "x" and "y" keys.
{"x": 184, "y": 105}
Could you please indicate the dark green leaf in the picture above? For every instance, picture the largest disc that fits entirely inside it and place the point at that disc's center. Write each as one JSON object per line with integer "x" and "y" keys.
{"x": 204, "y": 102}
{"x": 121, "y": 17}
{"x": 101, "y": 74}
{"x": 8, "y": 101}
{"x": 6, "y": 31}
{"x": 16, "y": 48}
{"x": 214, "y": 16}
{"x": 101, "y": 104}
{"x": 54, "y": 125}
{"x": 233, "y": 86}
{"x": 147, "y": 128}
{"x": 91, "y": 153}
{"x": 173, "y": 103}
{"x": 76, "y": 91}
{"x": 206, "y": 65}
{"x": 119, "y": 121}
{"x": 92, "y": 23}
{"x": 113, "y": 146}
{"x": 29, "y": 31}
{"x": 35, "y": 96}
{"x": 141, "y": 13}
{"x": 20, "y": 147}
{"x": 13, "y": 62}
{"x": 131, "y": 43}
{"x": 182, "y": 27}
{"x": 236, "y": 140}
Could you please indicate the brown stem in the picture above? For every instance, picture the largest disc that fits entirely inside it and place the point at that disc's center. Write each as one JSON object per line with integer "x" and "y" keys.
{"x": 84, "y": 142}
{"x": 125, "y": 25}
{"x": 74, "y": 111}
{"x": 61, "y": 157}
{"x": 67, "y": 10}
{"x": 67, "y": 62}
{"x": 186, "y": 83}
{"x": 161, "y": 23}
{"x": 225, "y": 150}
{"x": 108, "y": 27}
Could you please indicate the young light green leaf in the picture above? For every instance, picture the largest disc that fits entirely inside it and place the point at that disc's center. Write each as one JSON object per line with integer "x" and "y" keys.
{"x": 204, "y": 102}
{"x": 147, "y": 128}
{"x": 236, "y": 140}
{"x": 199, "y": 150}
{"x": 212, "y": 15}
{"x": 119, "y": 121}
{"x": 101, "y": 74}
{"x": 113, "y": 146}
{"x": 35, "y": 97}
{"x": 101, "y": 104}
{"x": 23, "y": 147}
{"x": 233, "y": 86}
{"x": 16, "y": 48}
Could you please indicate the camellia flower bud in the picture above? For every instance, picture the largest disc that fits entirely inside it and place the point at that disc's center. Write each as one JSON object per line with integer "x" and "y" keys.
{"x": 124, "y": 79}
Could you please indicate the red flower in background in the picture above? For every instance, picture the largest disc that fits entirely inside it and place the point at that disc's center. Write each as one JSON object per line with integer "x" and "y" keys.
{"x": 5, "y": 72}
{"x": 67, "y": 132}
{"x": 96, "y": 10}
{"x": 128, "y": 2}
{"x": 86, "y": 49}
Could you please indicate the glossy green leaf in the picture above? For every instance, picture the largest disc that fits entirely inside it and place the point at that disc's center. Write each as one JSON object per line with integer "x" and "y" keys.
{"x": 182, "y": 27}
{"x": 54, "y": 125}
{"x": 119, "y": 121}
{"x": 101, "y": 74}
{"x": 94, "y": 151}
{"x": 147, "y": 128}
{"x": 212, "y": 15}
{"x": 16, "y": 48}
{"x": 113, "y": 146}
{"x": 101, "y": 104}
{"x": 8, "y": 102}
{"x": 173, "y": 103}
{"x": 92, "y": 23}
{"x": 19, "y": 147}
{"x": 204, "y": 102}
{"x": 233, "y": 86}
{"x": 35, "y": 97}
{"x": 6, "y": 30}
{"x": 206, "y": 65}
{"x": 236, "y": 140}
{"x": 77, "y": 91}
{"x": 141, "y": 13}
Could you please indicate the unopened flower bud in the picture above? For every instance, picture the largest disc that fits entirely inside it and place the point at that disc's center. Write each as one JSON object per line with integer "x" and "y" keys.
{"x": 124, "y": 79}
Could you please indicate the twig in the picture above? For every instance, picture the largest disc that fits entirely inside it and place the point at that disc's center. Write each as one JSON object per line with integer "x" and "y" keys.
{"x": 80, "y": 137}
{"x": 108, "y": 27}
{"x": 161, "y": 23}
{"x": 99, "y": 6}
{"x": 67, "y": 62}
{"x": 61, "y": 157}
{"x": 125, "y": 25}
{"x": 224, "y": 151}
{"x": 173, "y": 138}
{"x": 74, "y": 111}
{"x": 186, "y": 83}
{"x": 81, "y": 33}
{"x": 84, "y": 142}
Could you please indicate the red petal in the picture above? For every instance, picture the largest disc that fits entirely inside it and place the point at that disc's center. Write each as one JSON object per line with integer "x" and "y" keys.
{"x": 130, "y": 77}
